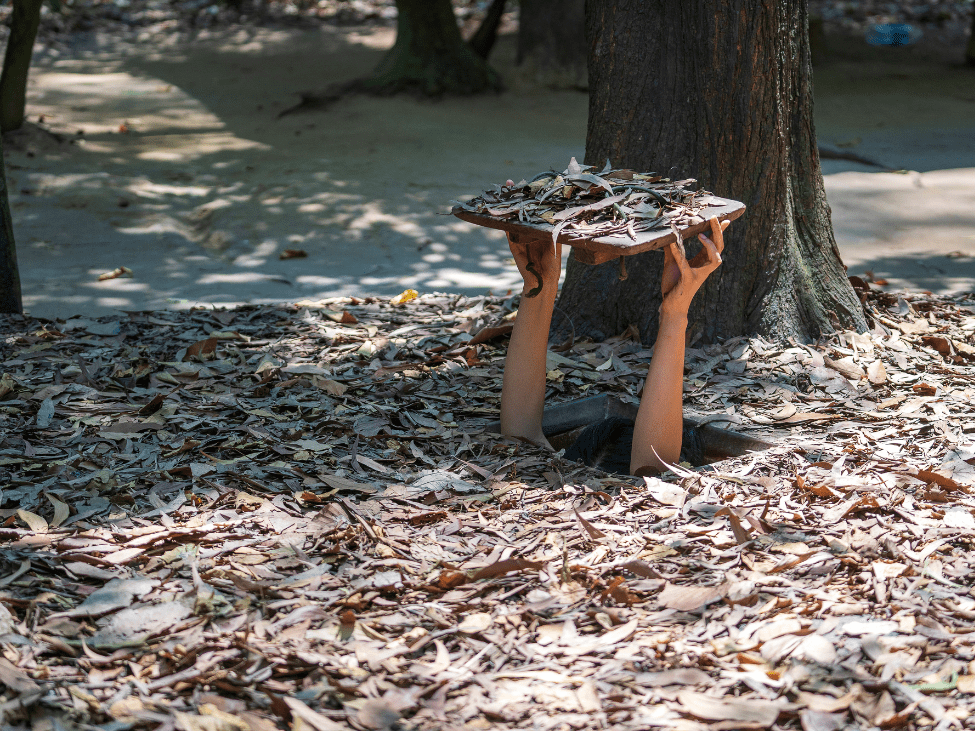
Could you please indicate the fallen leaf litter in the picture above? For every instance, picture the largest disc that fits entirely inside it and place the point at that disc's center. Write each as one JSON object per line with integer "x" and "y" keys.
{"x": 288, "y": 517}
{"x": 585, "y": 204}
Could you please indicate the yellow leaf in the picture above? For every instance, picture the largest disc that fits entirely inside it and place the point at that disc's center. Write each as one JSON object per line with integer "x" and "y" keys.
{"x": 404, "y": 297}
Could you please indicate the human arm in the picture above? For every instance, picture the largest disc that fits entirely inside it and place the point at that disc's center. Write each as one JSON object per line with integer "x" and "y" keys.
{"x": 523, "y": 387}
{"x": 660, "y": 420}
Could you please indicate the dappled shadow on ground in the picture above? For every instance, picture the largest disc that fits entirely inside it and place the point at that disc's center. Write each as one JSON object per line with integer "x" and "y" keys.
{"x": 933, "y": 273}
{"x": 185, "y": 175}
{"x": 205, "y": 187}
{"x": 915, "y": 229}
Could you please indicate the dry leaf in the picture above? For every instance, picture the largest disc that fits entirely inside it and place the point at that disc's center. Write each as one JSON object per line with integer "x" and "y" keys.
{"x": 341, "y": 316}
{"x": 332, "y": 388}
{"x": 590, "y": 529}
{"x": 690, "y": 598}
{"x": 202, "y": 350}
{"x": 475, "y": 623}
{"x": 681, "y": 676}
{"x": 825, "y": 703}
{"x": 404, "y": 297}
{"x": 35, "y": 522}
{"x": 116, "y": 594}
{"x": 847, "y": 366}
{"x": 293, "y": 254}
{"x": 377, "y": 714}
{"x": 759, "y": 712}
{"x": 501, "y": 568}
{"x": 16, "y": 679}
{"x": 7, "y": 385}
{"x": 817, "y": 649}
{"x": 819, "y": 721}
{"x": 245, "y": 489}
{"x": 115, "y": 274}
{"x": 314, "y": 719}
{"x": 61, "y": 510}
{"x": 876, "y": 373}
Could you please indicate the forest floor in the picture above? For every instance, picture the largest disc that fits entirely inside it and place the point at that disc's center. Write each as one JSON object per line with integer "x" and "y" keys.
{"x": 174, "y": 163}
{"x": 291, "y": 516}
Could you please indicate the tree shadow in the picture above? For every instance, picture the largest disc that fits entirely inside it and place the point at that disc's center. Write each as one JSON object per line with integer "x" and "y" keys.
{"x": 205, "y": 188}
{"x": 933, "y": 273}
{"x": 185, "y": 175}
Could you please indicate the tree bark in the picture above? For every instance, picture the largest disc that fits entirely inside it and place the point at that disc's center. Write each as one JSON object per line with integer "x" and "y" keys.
{"x": 10, "y": 299}
{"x": 552, "y": 38}
{"x": 430, "y": 56}
{"x": 16, "y": 63}
{"x": 718, "y": 90}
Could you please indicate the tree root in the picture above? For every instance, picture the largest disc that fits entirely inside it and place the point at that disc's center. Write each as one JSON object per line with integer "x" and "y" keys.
{"x": 383, "y": 85}
{"x": 321, "y": 101}
{"x": 826, "y": 153}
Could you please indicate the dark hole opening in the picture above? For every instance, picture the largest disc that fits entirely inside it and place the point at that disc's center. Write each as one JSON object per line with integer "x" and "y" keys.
{"x": 563, "y": 423}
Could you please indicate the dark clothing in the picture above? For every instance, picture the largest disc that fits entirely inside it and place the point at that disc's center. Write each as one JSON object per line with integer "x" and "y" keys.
{"x": 607, "y": 444}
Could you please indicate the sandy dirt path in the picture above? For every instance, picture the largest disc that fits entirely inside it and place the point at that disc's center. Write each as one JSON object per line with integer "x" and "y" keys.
{"x": 206, "y": 187}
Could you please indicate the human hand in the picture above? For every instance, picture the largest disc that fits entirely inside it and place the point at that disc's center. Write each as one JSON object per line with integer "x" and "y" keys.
{"x": 681, "y": 278}
{"x": 539, "y": 261}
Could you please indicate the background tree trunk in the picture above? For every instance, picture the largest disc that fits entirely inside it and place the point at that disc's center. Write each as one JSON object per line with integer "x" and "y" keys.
{"x": 487, "y": 32}
{"x": 552, "y": 40}
{"x": 16, "y": 63}
{"x": 10, "y": 300}
{"x": 720, "y": 91}
{"x": 430, "y": 55}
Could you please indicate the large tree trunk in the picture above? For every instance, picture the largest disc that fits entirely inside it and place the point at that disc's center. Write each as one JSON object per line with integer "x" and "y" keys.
{"x": 552, "y": 41}
{"x": 718, "y": 90}
{"x": 16, "y": 63}
{"x": 10, "y": 300}
{"x": 429, "y": 55}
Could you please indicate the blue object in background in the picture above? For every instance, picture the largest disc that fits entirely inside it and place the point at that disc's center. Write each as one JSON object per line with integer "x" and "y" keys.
{"x": 893, "y": 34}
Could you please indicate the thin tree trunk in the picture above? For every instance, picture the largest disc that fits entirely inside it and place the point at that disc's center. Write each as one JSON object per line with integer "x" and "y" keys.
{"x": 718, "y": 90}
{"x": 10, "y": 299}
{"x": 486, "y": 34}
{"x": 16, "y": 63}
{"x": 429, "y": 55}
